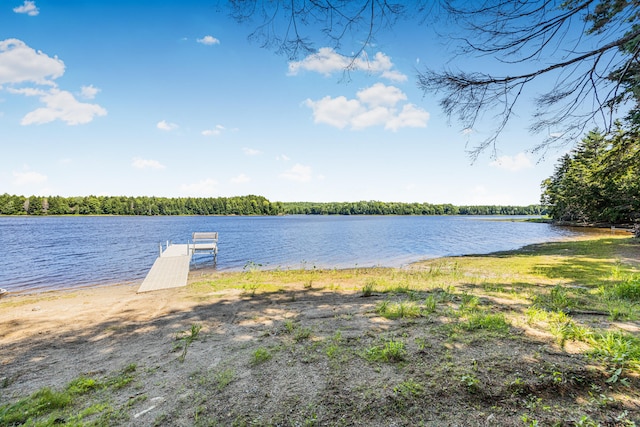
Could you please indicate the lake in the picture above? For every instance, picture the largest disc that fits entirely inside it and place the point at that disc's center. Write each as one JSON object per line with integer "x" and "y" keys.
{"x": 44, "y": 253}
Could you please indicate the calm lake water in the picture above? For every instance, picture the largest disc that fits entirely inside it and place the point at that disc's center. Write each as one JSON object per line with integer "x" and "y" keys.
{"x": 43, "y": 253}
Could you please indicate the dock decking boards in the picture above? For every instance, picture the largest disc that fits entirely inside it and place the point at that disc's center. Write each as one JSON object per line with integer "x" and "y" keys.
{"x": 170, "y": 270}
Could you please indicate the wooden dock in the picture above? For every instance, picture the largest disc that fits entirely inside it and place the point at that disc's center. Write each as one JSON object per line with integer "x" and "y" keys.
{"x": 170, "y": 270}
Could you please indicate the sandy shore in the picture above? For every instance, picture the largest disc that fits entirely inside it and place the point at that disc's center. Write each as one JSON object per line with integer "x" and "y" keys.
{"x": 51, "y": 338}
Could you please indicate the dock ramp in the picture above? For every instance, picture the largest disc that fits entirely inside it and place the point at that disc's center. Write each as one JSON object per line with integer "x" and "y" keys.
{"x": 170, "y": 270}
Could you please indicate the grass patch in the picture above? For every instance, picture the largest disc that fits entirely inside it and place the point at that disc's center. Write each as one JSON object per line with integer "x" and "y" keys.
{"x": 557, "y": 300}
{"x": 224, "y": 377}
{"x": 486, "y": 321}
{"x": 369, "y": 288}
{"x": 409, "y": 388}
{"x": 70, "y": 406}
{"x": 389, "y": 351}
{"x": 617, "y": 349}
{"x": 628, "y": 290}
{"x": 398, "y": 310}
{"x": 260, "y": 356}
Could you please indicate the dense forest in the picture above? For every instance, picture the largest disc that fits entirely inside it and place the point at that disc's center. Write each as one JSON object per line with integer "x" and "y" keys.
{"x": 241, "y": 205}
{"x": 599, "y": 180}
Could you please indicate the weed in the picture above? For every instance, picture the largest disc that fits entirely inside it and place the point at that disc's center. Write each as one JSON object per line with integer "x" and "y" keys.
{"x": 251, "y": 288}
{"x": 601, "y": 400}
{"x": 123, "y": 378}
{"x": 333, "y": 347}
{"x": 332, "y": 350}
{"x": 486, "y": 321}
{"x": 261, "y": 355}
{"x": 399, "y": 289}
{"x": 469, "y": 302}
{"x": 82, "y": 385}
{"x": 302, "y": 334}
{"x": 369, "y": 288}
{"x": 564, "y": 328}
{"x": 557, "y": 377}
{"x": 398, "y": 310}
{"x": 289, "y": 326}
{"x": 528, "y": 421}
{"x": 429, "y": 304}
{"x": 54, "y": 405}
{"x": 617, "y": 349}
{"x": 391, "y": 351}
{"x": 557, "y": 300}
{"x": 188, "y": 339}
{"x": 628, "y": 290}
{"x": 409, "y": 388}
{"x": 586, "y": 421}
{"x": 224, "y": 377}
{"x": 616, "y": 271}
{"x": 471, "y": 382}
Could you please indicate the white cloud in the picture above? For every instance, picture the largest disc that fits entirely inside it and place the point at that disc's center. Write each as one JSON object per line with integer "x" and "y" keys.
{"x": 60, "y": 105}
{"x": 251, "y": 151}
{"x": 512, "y": 163}
{"x": 409, "y": 117}
{"x": 338, "y": 112}
{"x": 89, "y": 92}
{"x": 298, "y": 173}
{"x": 327, "y": 61}
{"x": 28, "y": 178}
{"x": 214, "y": 132}
{"x": 19, "y": 63}
{"x": 375, "y": 105}
{"x": 28, "y": 7}
{"x": 380, "y": 94}
{"x": 139, "y": 163}
{"x": 283, "y": 157}
{"x": 240, "y": 179}
{"x": 208, "y": 40}
{"x": 166, "y": 126}
{"x": 204, "y": 188}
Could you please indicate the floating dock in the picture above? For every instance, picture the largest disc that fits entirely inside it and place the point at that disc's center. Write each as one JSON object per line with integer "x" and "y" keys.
{"x": 171, "y": 268}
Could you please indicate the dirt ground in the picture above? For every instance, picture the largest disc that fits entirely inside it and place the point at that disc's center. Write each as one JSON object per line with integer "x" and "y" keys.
{"x": 315, "y": 370}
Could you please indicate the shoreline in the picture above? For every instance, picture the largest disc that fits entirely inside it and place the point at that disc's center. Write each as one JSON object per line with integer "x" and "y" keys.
{"x": 317, "y": 334}
{"x": 586, "y": 234}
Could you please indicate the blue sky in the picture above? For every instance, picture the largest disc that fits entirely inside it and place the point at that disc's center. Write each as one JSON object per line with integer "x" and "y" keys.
{"x": 171, "y": 99}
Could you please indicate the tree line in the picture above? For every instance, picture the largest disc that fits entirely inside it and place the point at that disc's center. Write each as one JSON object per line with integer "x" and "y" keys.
{"x": 599, "y": 180}
{"x": 391, "y": 208}
{"x": 240, "y": 205}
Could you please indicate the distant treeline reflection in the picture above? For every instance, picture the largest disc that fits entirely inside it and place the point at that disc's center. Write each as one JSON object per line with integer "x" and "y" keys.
{"x": 240, "y": 205}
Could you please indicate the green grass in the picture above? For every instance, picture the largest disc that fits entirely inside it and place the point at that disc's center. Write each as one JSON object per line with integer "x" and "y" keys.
{"x": 260, "y": 356}
{"x": 389, "y": 351}
{"x": 486, "y": 321}
{"x": 224, "y": 377}
{"x": 398, "y": 310}
{"x": 616, "y": 348}
{"x": 557, "y": 299}
{"x": 70, "y": 406}
{"x": 187, "y": 339}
